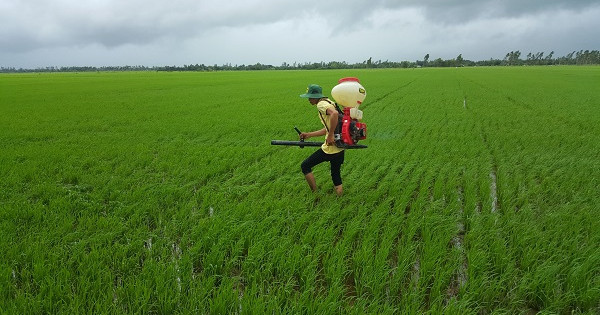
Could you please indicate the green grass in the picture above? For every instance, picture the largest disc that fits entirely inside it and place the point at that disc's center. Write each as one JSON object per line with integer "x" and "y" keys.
{"x": 159, "y": 193}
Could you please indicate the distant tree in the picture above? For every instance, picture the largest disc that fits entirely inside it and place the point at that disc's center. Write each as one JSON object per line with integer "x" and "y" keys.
{"x": 538, "y": 57}
{"x": 587, "y": 57}
{"x": 459, "y": 60}
{"x": 512, "y": 58}
{"x": 535, "y": 59}
{"x": 437, "y": 63}
{"x": 582, "y": 57}
{"x": 548, "y": 60}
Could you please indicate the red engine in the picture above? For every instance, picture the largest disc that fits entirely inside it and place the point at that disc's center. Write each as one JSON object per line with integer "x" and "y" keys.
{"x": 351, "y": 130}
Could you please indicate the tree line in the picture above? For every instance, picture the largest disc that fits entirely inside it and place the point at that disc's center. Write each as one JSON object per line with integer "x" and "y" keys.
{"x": 513, "y": 58}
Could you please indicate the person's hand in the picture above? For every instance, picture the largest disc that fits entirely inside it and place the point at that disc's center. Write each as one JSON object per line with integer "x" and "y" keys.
{"x": 330, "y": 140}
{"x": 303, "y": 136}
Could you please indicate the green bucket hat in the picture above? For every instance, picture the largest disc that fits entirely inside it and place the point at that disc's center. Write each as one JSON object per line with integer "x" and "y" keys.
{"x": 313, "y": 91}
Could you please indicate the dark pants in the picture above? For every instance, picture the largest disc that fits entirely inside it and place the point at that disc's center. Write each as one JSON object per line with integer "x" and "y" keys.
{"x": 319, "y": 157}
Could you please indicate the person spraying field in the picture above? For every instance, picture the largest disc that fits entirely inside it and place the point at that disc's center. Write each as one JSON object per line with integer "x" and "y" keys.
{"x": 342, "y": 129}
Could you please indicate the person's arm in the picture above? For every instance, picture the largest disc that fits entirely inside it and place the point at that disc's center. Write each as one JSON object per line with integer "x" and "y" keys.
{"x": 306, "y": 135}
{"x": 333, "y": 121}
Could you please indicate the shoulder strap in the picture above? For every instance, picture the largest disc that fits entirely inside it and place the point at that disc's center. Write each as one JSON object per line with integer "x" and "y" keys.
{"x": 324, "y": 123}
{"x": 337, "y": 107}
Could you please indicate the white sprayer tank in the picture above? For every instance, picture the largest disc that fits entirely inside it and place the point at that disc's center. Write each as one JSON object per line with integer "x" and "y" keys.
{"x": 350, "y": 93}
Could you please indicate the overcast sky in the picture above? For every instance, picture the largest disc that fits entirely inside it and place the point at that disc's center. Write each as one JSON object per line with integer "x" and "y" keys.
{"x": 40, "y": 33}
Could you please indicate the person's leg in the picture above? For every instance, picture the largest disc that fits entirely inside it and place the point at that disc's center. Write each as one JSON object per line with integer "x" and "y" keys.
{"x": 310, "y": 179}
{"x": 336, "y": 162}
{"x": 339, "y": 190}
{"x": 317, "y": 157}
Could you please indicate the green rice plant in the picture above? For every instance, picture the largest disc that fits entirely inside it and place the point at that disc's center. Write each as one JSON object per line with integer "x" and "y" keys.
{"x": 159, "y": 193}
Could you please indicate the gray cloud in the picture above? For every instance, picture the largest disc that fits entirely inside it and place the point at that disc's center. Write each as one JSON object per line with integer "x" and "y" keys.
{"x": 274, "y": 29}
{"x": 451, "y": 11}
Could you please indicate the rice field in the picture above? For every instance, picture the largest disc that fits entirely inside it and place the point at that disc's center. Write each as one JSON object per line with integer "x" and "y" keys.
{"x": 160, "y": 193}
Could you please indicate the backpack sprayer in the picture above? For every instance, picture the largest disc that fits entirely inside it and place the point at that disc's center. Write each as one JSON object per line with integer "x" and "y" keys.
{"x": 349, "y": 130}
